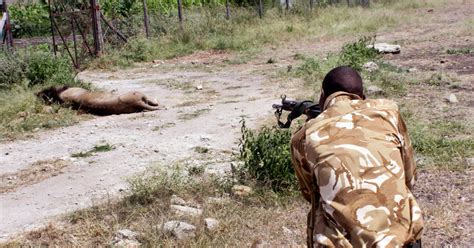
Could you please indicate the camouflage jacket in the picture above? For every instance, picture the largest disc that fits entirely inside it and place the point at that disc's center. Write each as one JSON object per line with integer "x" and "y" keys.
{"x": 355, "y": 162}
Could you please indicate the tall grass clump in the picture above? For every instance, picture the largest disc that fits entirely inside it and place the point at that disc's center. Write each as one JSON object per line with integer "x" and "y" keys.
{"x": 446, "y": 153}
{"x": 358, "y": 53}
{"x": 23, "y": 73}
{"x": 266, "y": 157}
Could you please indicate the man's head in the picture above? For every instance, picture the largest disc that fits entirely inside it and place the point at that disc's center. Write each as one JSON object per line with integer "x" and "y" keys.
{"x": 342, "y": 78}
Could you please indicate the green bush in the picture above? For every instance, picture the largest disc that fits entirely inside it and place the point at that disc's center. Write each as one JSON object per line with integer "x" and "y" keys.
{"x": 12, "y": 71}
{"x": 44, "y": 69}
{"x": 29, "y": 20}
{"x": 266, "y": 156}
{"x": 357, "y": 53}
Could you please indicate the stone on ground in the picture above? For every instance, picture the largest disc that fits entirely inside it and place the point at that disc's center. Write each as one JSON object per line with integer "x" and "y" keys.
{"x": 372, "y": 90}
{"x": 186, "y": 211}
{"x": 370, "y": 66}
{"x": 181, "y": 230}
{"x": 386, "y": 48}
{"x": 241, "y": 190}
{"x": 211, "y": 224}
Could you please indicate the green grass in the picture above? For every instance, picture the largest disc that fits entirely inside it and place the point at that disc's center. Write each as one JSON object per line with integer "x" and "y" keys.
{"x": 95, "y": 149}
{"x": 193, "y": 115}
{"x": 266, "y": 157}
{"x": 207, "y": 29}
{"x": 21, "y": 113}
{"x": 460, "y": 51}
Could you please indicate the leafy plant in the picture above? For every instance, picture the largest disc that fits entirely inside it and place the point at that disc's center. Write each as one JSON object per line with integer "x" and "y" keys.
{"x": 357, "y": 53}
{"x": 266, "y": 156}
{"x": 44, "y": 68}
{"x": 29, "y": 20}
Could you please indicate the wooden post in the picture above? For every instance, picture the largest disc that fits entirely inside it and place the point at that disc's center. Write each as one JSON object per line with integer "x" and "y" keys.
{"x": 260, "y": 9}
{"x": 180, "y": 13}
{"x": 52, "y": 27}
{"x": 287, "y": 5}
{"x": 311, "y": 3}
{"x": 8, "y": 28}
{"x": 97, "y": 29}
{"x": 75, "y": 43}
{"x": 145, "y": 19}
{"x": 227, "y": 10}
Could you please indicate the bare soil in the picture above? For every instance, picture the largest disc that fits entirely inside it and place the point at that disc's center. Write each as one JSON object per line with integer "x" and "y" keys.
{"x": 210, "y": 118}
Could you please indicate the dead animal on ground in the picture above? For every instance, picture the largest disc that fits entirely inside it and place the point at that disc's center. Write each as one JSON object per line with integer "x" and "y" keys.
{"x": 98, "y": 103}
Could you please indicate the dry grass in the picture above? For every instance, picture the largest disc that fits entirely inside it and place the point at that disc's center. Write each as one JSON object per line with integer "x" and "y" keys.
{"x": 261, "y": 216}
{"x": 34, "y": 173}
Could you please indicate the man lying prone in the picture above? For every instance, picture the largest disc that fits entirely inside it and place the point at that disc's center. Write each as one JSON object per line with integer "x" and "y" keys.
{"x": 98, "y": 103}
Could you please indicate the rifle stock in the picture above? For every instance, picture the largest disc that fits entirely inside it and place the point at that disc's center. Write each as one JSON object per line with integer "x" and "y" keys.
{"x": 296, "y": 108}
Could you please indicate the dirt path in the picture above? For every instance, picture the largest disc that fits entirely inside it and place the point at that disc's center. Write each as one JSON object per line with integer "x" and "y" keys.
{"x": 193, "y": 118}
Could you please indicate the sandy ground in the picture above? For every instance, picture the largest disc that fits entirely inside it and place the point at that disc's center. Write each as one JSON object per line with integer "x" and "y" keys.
{"x": 166, "y": 137}
{"x": 210, "y": 118}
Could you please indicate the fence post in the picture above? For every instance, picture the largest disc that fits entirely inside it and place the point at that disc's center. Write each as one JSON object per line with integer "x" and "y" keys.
{"x": 287, "y": 5}
{"x": 52, "y": 27}
{"x": 260, "y": 8}
{"x": 97, "y": 29}
{"x": 145, "y": 19}
{"x": 227, "y": 10}
{"x": 8, "y": 28}
{"x": 311, "y": 3}
{"x": 180, "y": 13}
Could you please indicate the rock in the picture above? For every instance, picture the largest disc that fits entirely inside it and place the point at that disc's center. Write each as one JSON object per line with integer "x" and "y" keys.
{"x": 179, "y": 229}
{"x": 186, "y": 211}
{"x": 287, "y": 231}
{"x": 411, "y": 70}
{"x": 126, "y": 238}
{"x": 205, "y": 138}
{"x": 260, "y": 244}
{"x": 211, "y": 224}
{"x": 241, "y": 190}
{"x": 470, "y": 162}
{"x": 48, "y": 109}
{"x": 126, "y": 234}
{"x": 370, "y": 66}
{"x": 176, "y": 200}
{"x": 452, "y": 98}
{"x": 217, "y": 200}
{"x": 372, "y": 90}
{"x": 157, "y": 61}
{"x": 386, "y": 48}
{"x": 127, "y": 243}
{"x": 199, "y": 87}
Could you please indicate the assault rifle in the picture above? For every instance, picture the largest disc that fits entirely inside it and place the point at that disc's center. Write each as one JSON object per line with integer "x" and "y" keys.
{"x": 297, "y": 108}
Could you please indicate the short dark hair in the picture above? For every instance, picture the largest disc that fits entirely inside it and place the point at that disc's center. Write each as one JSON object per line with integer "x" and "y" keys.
{"x": 343, "y": 78}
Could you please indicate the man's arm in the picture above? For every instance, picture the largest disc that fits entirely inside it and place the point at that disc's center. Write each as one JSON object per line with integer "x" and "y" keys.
{"x": 300, "y": 164}
{"x": 407, "y": 154}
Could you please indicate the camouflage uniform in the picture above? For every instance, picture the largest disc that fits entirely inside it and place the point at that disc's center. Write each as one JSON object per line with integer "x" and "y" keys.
{"x": 354, "y": 162}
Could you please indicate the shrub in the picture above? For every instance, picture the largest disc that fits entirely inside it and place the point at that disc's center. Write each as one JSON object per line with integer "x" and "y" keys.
{"x": 12, "y": 71}
{"x": 357, "y": 53}
{"x": 29, "y": 20}
{"x": 266, "y": 156}
{"x": 44, "y": 69}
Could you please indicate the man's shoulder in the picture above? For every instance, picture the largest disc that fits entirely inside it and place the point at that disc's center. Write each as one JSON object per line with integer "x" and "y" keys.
{"x": 377, "y": 104}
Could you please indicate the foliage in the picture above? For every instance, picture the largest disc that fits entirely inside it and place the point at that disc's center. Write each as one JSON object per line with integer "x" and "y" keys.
{"x": 35, "y": 66}
{"x": 29, "y": 20}
{"x": 357, "y": 53}
{"x": 12, "y": 71}
{"x": 460, "y": 51}
{"x": 21, "y": 111}
{"x": 45, "y": 69}
{"x": 266, "y": 156}
{"x": 442, "y": 152}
